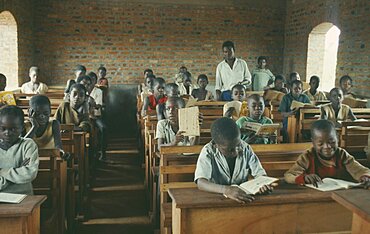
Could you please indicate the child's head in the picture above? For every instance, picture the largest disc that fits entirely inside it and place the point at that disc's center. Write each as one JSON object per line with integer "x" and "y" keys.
{"x": 345, "y": 83}
{"x": 336, "y": 97}
{"x": 256, "y": 106}
{"x": 228, "y": 49}
{"x": 33, "y": 73}
{"x": 226, "y": 136}
{"x": 297, "y": 87}
{"x": 324, "y": 138}
{"x": 171, "y": 106}
{"x": 294, "y": 76}
{"x": 262, "y": 61}
{"x": 148, "y": 72}
{"x": 2, "y": 82}
{"x": 172, "y": 90}
{"x": 40, "y": 109}
{"x": 314, "y": 82}
{"x": 11, "y": 125}
{"x": 85, "y": 81}
{"x": 202, "y": 81}
{"x": 77, "y": 95}
{"x": 183, "y": 69}
{"x": 186, "y": 79}
{"x": 149, "y": 80}
{"x": 102, "y": 72}
{"x": 80, "y": 70}
{"x": 279, "y": 82}
{"x": 94, "y": 78}
{"x": 158, "y": 86}
{"x": 238, "y": 93}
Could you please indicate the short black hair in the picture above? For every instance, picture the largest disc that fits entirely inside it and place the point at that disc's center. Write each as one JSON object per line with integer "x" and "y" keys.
{"x": 150, "y": 76}
{"x": 79, "y": 87}
{"x": 335, "y": 90}
{"x": 280, "y": 77}
{"x": 238, "y": 86}
{"x": 171, "y": 86}
{"x": 183, "y": 67}
{"x": 93, "y": 75}
{"x": 13, "y": 111}
{"x": 228, "y": 44}
{"x": 39, "y": 100}
{"x": 293, "y": 74}
{"x": 158, "y": 80}
{"x": 2, "y": 76}
{"x": 297, "y": 82}
{"x": 81, "y": 78}
{"x": 323, "y": 125}
{"x": 80, "y": 68}
{"x": 148, "y": 70}
{"x": 180, "y": 102}
{"x": 202, "y": 76}
{"x": 102, "y": 68}
{"x": 260, "y": 58}
{"x": 224, "y": 129}
{"x": 186, "y": 75}
{"x": 254, "y": 96}
{"x": 315, "y": 78}
{"x": 344, "y": 78}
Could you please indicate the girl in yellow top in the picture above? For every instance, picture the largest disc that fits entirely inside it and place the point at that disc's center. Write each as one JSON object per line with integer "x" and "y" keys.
{"x": 336, "y": 111}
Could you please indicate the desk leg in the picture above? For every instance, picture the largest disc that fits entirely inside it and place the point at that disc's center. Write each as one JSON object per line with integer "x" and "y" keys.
{"x": 359, "y": 225}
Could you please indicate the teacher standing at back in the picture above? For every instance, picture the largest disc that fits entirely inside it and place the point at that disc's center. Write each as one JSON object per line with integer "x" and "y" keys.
{"x": 229, "y": 72}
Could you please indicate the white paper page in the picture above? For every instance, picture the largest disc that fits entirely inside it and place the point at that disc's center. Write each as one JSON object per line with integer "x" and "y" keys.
{"x": 11, "y": 197}
{"x": 330, "y": 184}
{"x": 189, "y": 121}
{"x": 253, "y": 186}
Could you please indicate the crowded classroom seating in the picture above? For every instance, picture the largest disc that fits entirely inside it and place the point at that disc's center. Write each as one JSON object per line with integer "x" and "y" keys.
{"x": 158, "y": 140}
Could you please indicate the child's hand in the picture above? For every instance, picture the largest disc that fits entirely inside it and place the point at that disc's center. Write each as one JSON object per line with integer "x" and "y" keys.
{"x": 179, "y": 137}
{"x": 365, "y": 181}
{"x": 229, "y": 112}
{"x": 272, "y": 139}
{"x": 266, "y": 189}
{"x": 294, "y": 111}
{"x": 252, "y": 138}
{"x": 25, "y": 162}
{"x": 238, "y": 195}
{"x": 312, "y": 179}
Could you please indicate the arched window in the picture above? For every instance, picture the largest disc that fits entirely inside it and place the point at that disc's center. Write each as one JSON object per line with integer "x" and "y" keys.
{"x": 9, "y": 49}
{"x": 322, "y": 51}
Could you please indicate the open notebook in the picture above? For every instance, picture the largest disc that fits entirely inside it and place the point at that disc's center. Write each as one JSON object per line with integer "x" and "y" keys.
{"x": 11, "y": 197}
{"x": 330, "y": 184}
{"x": 253, "y": 186}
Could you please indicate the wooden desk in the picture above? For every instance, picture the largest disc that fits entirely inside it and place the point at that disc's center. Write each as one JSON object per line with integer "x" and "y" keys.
{"x": 358, "y": 202}
{"x": 21, "y": 218}
{"x": 289, "y": 209}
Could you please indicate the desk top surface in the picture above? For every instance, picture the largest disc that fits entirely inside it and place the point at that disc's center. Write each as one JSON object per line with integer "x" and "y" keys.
{"x": 356, "y": 200}
{"x": 22, "y": 209}
{"x": 283, "y": 194}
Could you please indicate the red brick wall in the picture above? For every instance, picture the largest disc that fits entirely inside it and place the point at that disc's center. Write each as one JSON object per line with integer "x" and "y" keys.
{"x": 133, "y": 36}
{"x": 350, "y": 16}
{"x": 23, "y": 14}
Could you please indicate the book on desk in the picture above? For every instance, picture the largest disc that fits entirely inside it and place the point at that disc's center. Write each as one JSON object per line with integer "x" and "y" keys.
{"x": 12, "y": 198}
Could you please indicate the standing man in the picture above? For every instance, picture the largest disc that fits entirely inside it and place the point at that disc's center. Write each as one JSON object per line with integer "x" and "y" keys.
{"x": 230, "y": 72}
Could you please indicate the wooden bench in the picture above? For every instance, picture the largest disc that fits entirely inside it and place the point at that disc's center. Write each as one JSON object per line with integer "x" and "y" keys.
{"x": 354, "y": 138}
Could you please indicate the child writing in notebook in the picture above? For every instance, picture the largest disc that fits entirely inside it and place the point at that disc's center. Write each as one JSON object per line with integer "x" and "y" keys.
{"x": 19, "y": 159}
{"x": 326, "y": 159}
{"x": 75, "y": 111}
{"x": 238, "y": 95}
{"x": 158, "y": 96}
{"x": 202, "y": 94}
{"x": 227, "y": 160}
{"x": 256, "y": 107}
{"x": 336, "y": 111}
{"x": 168, "y": 133}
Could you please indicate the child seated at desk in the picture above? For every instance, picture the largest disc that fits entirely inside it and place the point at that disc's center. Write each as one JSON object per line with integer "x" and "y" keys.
{"x": 227, "y": 160}
{"x": 186, "y": 87}
{"x": 158, "y": 96}
{"x": 202, "y": 94}
{"x": 256, "y": 106}
{"x": 168, "y": 133}
{"x": 326, "y": 159}
{"x": 285, "y": 109}
{"x": 146, "y": 88}
{"x": 345, "y": 84}
{"x": 238, "y": 94}
{"x": 19, "y": 159}
{"x": 336, "y": 111}
{"x": 312, "y": 93}
{"x": 171, "y": 90}
{"x": 75, "y": 111}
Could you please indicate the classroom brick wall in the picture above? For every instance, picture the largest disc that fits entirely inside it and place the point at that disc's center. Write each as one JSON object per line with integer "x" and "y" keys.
{"x": 127, "y": 36}
{"x": 350, "y": 16}
{"x": 22, "y": 12}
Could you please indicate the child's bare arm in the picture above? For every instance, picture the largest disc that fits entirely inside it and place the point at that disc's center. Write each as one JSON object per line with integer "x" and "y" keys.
{"x": 145, "y": 106}
{"x": 323, "y": 114}
{"x": 351, "y": 115}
